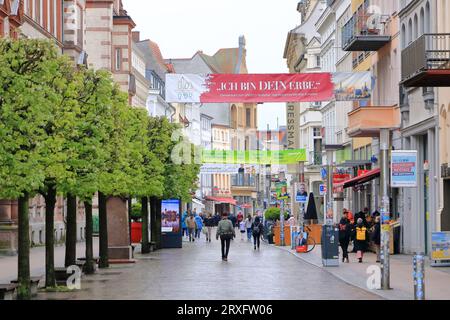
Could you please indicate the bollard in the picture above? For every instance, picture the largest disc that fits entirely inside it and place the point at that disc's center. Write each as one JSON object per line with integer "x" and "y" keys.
{"x": 419, "y": 276}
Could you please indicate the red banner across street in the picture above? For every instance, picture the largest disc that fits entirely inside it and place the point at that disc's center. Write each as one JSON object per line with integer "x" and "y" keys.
{"x": 259, "y": 88}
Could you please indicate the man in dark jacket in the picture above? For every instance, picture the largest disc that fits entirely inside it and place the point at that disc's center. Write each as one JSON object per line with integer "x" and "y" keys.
{"x": 345, "y": 230}
{"x": 361, "y": 239}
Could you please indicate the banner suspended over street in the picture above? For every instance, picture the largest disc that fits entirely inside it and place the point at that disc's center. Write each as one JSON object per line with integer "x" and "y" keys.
{"x": 259, "y": 88}
{"x": 254, "y": 156}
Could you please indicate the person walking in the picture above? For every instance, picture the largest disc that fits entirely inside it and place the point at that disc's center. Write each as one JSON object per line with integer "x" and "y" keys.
{"x": 199, "y": 226}
{"x": 191, "y": 225}
{"x": 242, "y": 229}
{"x": 376, "y": 237}
{"x": 226, "y": 232}
{"x": 248, "y": 226}
{"x": 209, "y": 224}
{"x": 345, "y": 230}
{"x": 183, "y": 224}
{"x": 240, "y": 218}
{"x": 361, "y": 238}
{"x": 257, "y": 230}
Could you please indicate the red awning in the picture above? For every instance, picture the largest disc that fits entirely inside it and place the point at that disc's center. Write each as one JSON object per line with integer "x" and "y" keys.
{"x": 222, "y": 200}
{"x": 369, "y": 176}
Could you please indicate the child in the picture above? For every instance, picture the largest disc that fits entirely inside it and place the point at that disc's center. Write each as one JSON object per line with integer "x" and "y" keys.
{"x": 242, "y": 229}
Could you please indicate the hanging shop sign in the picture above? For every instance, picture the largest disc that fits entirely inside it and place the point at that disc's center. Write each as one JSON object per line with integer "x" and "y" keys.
{"x": 404, "y": 169}
{"x": 282, "y": 157}
{"x": 259, "y": 88}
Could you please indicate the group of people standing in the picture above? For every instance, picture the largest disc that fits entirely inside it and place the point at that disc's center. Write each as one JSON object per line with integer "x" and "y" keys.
{"x": 361, "y": 229}
{"x": 193, "y": 224}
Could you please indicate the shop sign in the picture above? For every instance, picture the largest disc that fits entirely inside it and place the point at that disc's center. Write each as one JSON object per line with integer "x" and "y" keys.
{"x": 404, "y": 169}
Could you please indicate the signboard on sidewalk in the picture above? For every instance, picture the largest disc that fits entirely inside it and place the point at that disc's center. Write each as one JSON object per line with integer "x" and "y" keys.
{"x": 258, "y": 88}
{"x": 440, "y": 246}
{"x": 404, "y": 169}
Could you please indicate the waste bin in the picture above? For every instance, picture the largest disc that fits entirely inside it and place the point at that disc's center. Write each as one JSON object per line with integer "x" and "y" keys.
{"x": 330, "y": 246}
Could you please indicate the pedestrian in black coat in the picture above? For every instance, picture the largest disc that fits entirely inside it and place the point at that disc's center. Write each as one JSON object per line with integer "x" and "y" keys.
{"x": 345, "y": 231}
{"x": 376, "y": 237}
{"x": 361, "y": 239}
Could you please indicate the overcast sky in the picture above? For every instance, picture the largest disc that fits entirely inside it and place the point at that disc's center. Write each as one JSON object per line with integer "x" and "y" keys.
{"x": 182, "y": 27}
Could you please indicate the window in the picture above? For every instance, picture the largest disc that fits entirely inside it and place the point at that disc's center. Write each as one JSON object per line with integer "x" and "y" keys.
{"x": 316, "y": 132}
{"x": 318, "y": 61}
{"x": 248, "y": 117}
{"x": 118, "y": 59}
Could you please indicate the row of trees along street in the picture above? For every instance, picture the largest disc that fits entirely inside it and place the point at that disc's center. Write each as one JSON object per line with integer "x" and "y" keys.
{"x": 68, "y": 130}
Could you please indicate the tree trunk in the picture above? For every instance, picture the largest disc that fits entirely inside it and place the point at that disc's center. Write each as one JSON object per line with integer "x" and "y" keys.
{"x": 50, "y": 201}
{"x": 103, "y": 231}
{"x": 89, "y": 267}
{"x": 144, "y": 214}
{"x": 71, "y": 233}
{"x": 24, "y": 249}
{"x": 155, "y": 204}
{"x": 129, "y": 217}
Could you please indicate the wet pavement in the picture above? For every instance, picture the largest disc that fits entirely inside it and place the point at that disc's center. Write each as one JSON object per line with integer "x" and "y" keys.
{"x": 197, "y": 272}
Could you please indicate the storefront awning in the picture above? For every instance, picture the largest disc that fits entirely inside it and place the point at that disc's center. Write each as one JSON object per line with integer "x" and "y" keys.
{"x": 369, "y": 176}
{"x": 222, "y": 200}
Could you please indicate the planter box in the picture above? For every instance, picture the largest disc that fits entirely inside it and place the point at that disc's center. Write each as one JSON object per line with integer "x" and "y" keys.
{"x": 34, "y": 285}
{"x": 8, "y": 291}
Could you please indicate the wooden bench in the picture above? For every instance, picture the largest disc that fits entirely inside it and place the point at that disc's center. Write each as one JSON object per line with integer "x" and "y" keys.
{"x": 8, "y": 291}
{"x": 34, "y": 285}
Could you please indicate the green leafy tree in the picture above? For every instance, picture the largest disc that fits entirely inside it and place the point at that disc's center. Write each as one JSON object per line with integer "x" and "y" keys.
{"x": 27, "y": 78}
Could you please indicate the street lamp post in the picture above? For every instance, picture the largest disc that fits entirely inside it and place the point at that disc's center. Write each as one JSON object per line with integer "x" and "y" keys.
{"x": 385, "y": 216}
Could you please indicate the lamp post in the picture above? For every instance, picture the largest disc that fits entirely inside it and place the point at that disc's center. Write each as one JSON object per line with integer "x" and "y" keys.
{"x": 385, "y": 216}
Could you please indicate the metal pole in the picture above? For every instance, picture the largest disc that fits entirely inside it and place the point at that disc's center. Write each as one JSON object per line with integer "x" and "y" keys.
{"x": 282, "y": 223}
{"x": 385, "y": 216}
{"x": 419, "y": 276}
{"x": 329, "y": 195}
{"x": 301, "y": 179}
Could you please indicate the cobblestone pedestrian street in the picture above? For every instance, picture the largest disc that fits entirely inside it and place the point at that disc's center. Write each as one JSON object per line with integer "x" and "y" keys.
{"x": 197, "y": 272}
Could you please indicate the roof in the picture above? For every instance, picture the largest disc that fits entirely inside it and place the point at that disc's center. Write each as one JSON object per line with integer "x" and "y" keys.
{"x": 153, "y": 58}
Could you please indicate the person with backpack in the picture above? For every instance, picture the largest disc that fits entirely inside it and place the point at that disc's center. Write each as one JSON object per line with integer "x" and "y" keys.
{"x": 361, "y": 238}
{"x": 345, "y": 230}
{"x": 226, "y": 233}
{"x": 257, "y": 230}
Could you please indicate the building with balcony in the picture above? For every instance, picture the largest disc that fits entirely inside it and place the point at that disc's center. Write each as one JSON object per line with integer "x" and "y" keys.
{"x": 155, "y": 72}
{"x": 419, "y": 107}
{"x": 368, "y": 27}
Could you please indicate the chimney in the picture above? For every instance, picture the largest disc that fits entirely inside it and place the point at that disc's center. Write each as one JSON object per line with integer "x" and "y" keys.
{"x": 136, "y": 36}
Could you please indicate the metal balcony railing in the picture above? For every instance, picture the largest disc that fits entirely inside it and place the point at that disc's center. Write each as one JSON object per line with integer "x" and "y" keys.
{"x": 429, "y": 52}
{"x": 315, "y": 158}
{"x": 243, "y": 180}
{"x": 365, "y": 32}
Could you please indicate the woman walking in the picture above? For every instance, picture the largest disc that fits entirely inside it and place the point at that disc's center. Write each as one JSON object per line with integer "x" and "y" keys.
{"x": 242, "y": 229}
{"x": 257, "y": 229}
{"x": 226, "y": 232}
{"x": 361, "y": 238}
{"x": 199, "y": 225}
{"x": 209, "y": 223}
{"x": 248, "y": 226}
{"x": 345, "y": 230}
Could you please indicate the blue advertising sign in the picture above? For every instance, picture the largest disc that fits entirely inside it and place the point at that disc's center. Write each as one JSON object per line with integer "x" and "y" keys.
{"x": 404, "y": 169}
{"x": 301, "y": 194}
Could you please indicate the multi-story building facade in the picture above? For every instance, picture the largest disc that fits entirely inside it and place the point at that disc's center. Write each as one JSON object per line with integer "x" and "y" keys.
{"x": 303, "y": 55}
{"x": 155, "y": 71}
{"x": 443, "y": 97}
{"x": 425, "y": 46}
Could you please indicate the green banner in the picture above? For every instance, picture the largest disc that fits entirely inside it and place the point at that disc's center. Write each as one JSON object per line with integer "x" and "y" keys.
{"x": 254, "y": 156}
